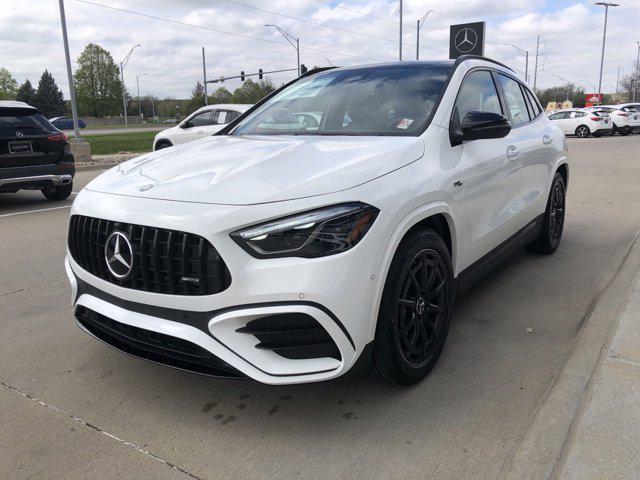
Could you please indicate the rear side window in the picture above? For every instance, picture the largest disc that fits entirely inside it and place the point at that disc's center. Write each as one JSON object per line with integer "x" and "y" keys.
{"x": 536, "y": 109}
{"x": 514, "y": 98}
{"x": 478, "y": 94}
{"x": 24, "y": 121}
{"x": 232, "y": 115}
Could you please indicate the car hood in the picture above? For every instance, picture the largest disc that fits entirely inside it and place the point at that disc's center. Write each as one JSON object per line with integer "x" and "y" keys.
{"x": 245, "y": 170}
{"x": 166, "y": 131}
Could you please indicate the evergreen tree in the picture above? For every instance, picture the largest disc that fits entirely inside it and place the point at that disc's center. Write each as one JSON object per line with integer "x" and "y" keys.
{"x": 8, "y": 85}
{"x": 197, "y": 97}
{"x": 98, "y": 88}
{"x": 26, "y": 93}
{"x": 48, "y": 98}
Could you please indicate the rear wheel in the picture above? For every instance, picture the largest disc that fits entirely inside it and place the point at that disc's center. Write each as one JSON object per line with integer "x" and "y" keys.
{"x": 415, "y": 311}
{"x": 624, "y": 131}
{"x": 61, "y": 192}
{"x": 582, "y": 131}
{"x": 553, "y": 224}
{"x": 635, "y": 130}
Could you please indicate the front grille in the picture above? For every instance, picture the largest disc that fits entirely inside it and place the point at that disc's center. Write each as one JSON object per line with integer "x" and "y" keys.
{"x": 292, "y": 335}
{"x": 154, "y": 346}
{"x": 164, "y": 261}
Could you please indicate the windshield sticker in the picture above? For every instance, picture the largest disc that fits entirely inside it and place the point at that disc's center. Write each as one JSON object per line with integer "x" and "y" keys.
{"x": 404, "y": 123}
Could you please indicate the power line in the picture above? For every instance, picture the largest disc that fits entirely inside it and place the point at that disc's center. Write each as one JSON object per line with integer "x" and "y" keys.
{"x": 318, "y": 24}
{"x": 185, "y": 24}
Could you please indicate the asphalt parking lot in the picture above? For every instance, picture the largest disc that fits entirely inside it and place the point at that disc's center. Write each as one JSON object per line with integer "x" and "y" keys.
{"x": 74, "y": 408}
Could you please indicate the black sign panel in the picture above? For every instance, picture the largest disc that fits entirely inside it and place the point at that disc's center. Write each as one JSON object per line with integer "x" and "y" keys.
{"x": 466, "y": 39}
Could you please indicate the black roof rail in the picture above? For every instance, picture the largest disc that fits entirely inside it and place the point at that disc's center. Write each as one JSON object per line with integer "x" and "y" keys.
{"x": 463, "y": 58}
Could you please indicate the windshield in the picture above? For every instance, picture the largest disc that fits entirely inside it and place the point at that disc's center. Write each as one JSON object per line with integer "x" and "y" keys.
{"x": 393, "y": 100}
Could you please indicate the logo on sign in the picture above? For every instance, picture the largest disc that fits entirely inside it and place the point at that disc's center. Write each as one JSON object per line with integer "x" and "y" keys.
{"x": 466, "y": 40}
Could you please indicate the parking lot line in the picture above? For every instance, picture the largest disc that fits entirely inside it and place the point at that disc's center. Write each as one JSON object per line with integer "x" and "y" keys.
{"x": 34, "y": 211}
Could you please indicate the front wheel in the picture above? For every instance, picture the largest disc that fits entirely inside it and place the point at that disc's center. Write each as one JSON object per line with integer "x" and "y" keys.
{"x": 415, "y": 311}
{"x": 553, "y": 223}
{"x": 624, "y": 131}
{"x": 61, "y": 192}
{"x": 582, "y": 131}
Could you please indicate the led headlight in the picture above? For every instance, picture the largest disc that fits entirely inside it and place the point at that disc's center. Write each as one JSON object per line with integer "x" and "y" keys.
{"x": 316, "y": 233}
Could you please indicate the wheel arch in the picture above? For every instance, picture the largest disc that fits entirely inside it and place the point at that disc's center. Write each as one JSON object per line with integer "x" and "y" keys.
{"x": 438, "y": 216}
{"x": 563, "y": 169}
{"x": 161, "y": 140}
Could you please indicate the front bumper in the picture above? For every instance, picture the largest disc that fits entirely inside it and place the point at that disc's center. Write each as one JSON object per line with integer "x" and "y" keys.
{"x": 336, "y": 291}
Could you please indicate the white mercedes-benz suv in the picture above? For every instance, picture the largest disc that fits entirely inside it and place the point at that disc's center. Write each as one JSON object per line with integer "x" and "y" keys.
{"x": 292, "y": 251}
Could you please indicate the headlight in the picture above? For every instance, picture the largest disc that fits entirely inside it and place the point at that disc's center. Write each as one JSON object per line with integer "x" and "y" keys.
{"x": 316, "y": 233}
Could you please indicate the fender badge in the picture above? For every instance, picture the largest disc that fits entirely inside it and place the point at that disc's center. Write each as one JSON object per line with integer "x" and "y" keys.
{"x": 144, "y": 188}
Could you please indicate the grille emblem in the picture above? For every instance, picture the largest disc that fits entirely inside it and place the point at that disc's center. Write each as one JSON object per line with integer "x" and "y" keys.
{"x": 119, "y": 255}
{"x": 19, "y": 133}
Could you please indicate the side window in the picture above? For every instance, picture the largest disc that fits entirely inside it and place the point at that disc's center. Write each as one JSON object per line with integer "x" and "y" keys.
{"x": 478, "y": 93}
{"x": 221, "y": 117}
{"x": 201, "y": 119}
{"x": 232, "y": 115}
{"x": 515, "y": 100}
{"x": 537, "y": 110}
{"x": 555, "y": 116}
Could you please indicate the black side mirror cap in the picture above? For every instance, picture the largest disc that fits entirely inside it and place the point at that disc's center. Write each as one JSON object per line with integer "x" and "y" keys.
{"x": 477, "y": 126}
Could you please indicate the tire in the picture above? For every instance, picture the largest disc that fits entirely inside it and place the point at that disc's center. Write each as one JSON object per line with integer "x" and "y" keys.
{"x": 415, "y": 310}
{"x": 624, "y": 131}
{"x": 553, "y": 224}
{"x": 597, "y": 134}
{"x": 635, "y": 130}
{"x": 163, "y": 144}
{"x": 58, "y": 193}
{"x": 582, "y": 131}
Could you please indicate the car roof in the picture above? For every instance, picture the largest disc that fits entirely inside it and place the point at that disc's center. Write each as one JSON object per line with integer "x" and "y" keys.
{"x": 15, "y": 104}
{"x": 241, "y": 107}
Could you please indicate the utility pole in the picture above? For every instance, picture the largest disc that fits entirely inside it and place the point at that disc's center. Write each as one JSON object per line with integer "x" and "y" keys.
{"x": 618, "y": 81}
{"x": 204, "y": 74}
{"x": 606, "y": 6}
{"x": 535, "y": 70}
{"x": 138, "y": 86}
{"x": 400, "y": 38}
{"x": 525, "y": 54}
{"x": 153, "y": 107}
{"x": 289, "y": 38}
{"x": 123, "y": 64}
{"x": 635, "y": 84}
{"x": 72, "y": 89}
{"x": 418, "y": 27}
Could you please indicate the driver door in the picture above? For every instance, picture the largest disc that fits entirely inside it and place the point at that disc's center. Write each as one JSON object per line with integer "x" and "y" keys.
{"x": 195, "y": 127}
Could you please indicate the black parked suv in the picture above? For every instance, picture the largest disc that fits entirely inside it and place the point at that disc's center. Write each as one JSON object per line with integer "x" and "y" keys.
{"x": 33, "y": 153}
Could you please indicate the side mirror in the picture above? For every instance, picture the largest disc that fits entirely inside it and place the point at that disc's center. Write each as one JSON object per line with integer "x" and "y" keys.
{"x": 477, "y": 126}
{"x": 186, "y": 125}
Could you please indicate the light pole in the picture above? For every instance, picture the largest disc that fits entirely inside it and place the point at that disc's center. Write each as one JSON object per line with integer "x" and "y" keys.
{"x": 567, "y": 82}
{"x": 291, "y": 39}
{"x": 606, "y": 6}
{"x": 138, "y": 86}
{"x": 535, "y": 68}
{"x": 123, "y": 64}
{"x": 72, "y": 90}
{"x": 635, "y": 84}
{"x": 525, "y": 54}
{"x": 328, "y": 61}
{"x": 591, "y": 84}
{"x": 400, "y": 38}
{"x": 418, "y": 27}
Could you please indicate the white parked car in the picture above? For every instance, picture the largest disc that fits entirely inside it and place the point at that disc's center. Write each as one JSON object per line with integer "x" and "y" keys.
{"x": 620, "y": 119}
{"x": 204, "y": 121}
{"x": 633, "y": 109}
{"x": 582, "y": 123}
{"x": 290, "y": 251}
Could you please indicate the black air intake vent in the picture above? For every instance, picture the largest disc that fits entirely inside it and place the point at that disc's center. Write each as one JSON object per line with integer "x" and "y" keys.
{"x": 292, "y": 336}
{"x": 164, "y": 261}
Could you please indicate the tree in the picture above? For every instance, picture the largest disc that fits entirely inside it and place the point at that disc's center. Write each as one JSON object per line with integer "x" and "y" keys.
{"x": 252, "y": 92}
{"x": 628, "y": 83}
{"x": 220, "y": 95}
{"x": 98, "y": 88}
{"x": 26, "y": 93}
{"x": 48, "y": 98}
{"x": 8, "y": 85}
{"x": 197, "y": 97}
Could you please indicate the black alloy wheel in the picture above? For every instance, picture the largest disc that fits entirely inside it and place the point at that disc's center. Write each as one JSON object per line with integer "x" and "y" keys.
{"x": 550, "y": 235}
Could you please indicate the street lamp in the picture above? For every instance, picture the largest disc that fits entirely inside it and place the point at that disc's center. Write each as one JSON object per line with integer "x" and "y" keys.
{"x": 591, "y": 84}
{"x": 289, "y": 38}
{"x": 153, "y": 107}
{"x": 606, "y": 6}
{"x": 138, "y": 85}
{"x": 635, "y": 84}
{"x": 525, "y": 54}
{"x": 567, "y": 82}
{"x": 123, "y": 64}
{"x": 418, "y": 27}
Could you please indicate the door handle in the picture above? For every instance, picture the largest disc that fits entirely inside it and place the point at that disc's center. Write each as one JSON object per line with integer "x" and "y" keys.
{"x": 200, "y": 131}
{"x": 547, "y": 139}
{"x": 512, "y": 152}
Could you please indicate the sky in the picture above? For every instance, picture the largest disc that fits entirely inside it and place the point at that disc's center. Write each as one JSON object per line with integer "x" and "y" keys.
{"x": 347, "y": 32}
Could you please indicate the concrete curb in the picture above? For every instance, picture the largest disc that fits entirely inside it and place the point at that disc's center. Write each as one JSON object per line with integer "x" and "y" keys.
{"x": 538, "y": 455}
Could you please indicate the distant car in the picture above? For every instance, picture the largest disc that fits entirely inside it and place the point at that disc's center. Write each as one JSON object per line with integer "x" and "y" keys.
{"x": 66, "y": 123}
{"x": 582, "y": 123}
{"x": 204, "y": 121}
{"x": 633, "y": 109}
{"x": 170, "y": 120}
{"x": 34, "y": 155}
{"x": 621, "y": 120}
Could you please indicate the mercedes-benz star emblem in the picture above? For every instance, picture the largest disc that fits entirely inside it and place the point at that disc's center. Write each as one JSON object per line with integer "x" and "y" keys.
{"x": 421, "y": 306}
{"x": 19, "y": 133}
{"x": 119, "y": 255}
{"x": 466, "y": 40}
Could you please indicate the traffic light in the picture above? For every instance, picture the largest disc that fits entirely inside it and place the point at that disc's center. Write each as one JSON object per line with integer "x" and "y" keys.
{"x": 242, "y": 75}
{"x": 303, "y": 69}
{"x": 260, "y": 73}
